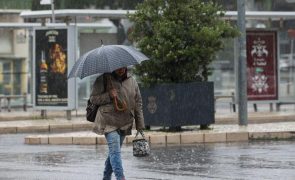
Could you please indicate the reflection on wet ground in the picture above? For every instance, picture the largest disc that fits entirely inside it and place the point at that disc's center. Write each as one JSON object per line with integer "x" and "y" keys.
{"x": 254, "y": 160}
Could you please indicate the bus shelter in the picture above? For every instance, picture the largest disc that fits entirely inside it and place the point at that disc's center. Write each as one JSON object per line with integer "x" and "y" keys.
{"x": 112, "y": 27}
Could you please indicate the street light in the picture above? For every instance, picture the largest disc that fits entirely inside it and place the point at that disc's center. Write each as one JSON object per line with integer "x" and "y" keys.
{"x": 47, "y": 2}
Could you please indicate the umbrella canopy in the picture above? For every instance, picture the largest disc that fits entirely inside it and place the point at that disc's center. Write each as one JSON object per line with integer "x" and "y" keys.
{"x": 106, "y": 59}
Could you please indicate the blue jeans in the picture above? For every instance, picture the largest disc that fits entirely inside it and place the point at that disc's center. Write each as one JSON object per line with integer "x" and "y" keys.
{"x": 114, "y": 163}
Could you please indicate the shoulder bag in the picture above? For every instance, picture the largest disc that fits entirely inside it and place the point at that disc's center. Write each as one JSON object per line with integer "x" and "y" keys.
{"x": 91, "y": 109}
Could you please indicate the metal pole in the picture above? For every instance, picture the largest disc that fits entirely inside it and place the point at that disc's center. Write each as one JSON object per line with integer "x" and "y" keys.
{"x": 52, "y": 8}
{"x": 31, "y": 63}
{"x": 292, "y": 64}
{"x": 242, "y": 65}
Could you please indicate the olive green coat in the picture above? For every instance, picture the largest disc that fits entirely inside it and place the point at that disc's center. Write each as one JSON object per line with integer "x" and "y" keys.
{"x": 107, "y": 118}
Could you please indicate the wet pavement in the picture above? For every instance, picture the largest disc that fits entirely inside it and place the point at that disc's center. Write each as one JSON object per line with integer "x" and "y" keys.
{"x": 245, "y": 160}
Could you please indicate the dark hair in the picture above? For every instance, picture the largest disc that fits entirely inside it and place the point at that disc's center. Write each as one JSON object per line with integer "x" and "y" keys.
{"x": 120, "y": 78}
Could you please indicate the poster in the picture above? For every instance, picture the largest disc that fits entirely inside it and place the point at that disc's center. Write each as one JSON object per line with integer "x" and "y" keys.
{"x": 262, "y": 73}
{"x": 51, "y": 67}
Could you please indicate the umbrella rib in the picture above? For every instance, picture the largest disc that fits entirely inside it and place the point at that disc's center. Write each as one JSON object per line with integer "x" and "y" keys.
{"x": 82, "y": 62}
{"x": 78, "y": 68}
{"x": 105, "y": 56}
{"x": 131, "y": 54}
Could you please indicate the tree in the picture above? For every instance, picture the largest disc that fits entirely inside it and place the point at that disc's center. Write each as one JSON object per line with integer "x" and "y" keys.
{"x": 180, "y": 37}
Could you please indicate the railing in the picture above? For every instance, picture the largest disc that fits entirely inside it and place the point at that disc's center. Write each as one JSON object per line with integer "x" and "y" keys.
{"x": 231, "y": 102}
{"x": 8, "y": 99}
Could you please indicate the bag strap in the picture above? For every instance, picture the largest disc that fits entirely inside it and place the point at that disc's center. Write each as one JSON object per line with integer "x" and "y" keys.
{"x": 140, "y": 132}
{"x": 104, "y": 85}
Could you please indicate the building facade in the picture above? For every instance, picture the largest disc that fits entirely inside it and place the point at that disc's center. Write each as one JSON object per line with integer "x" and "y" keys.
{"x": 14, "y": 72}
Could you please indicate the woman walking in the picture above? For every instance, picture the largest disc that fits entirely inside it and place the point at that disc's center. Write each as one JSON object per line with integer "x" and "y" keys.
{"x": 120, "y": 103}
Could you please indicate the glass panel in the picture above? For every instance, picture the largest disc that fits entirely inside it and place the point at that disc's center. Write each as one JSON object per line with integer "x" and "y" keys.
{"x": 89, "y": 41}
{"x": 6, "y": 77}
{"x": 6, "y": 73}
{"x": 286, "y": 65}
{"x": 223, "y": 70}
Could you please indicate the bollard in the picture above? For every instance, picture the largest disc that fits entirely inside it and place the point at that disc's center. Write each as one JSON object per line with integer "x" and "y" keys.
{"x": 233, "y": 100}
{"x": 25, "y": 102}
{"x": 69, "y": 115}
{"x": 8, "y": 104}
{"x": 43, "y": 114}
{"x": 277, "y": 107}
{"x": 255, "y": 107}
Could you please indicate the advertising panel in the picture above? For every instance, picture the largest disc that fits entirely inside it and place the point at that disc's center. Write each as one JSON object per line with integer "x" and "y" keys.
{"x": 262, "y": 73}
{"x": 51, "y": 66}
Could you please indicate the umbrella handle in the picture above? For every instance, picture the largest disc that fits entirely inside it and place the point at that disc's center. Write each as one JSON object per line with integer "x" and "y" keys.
{"x": 120, "y": 107}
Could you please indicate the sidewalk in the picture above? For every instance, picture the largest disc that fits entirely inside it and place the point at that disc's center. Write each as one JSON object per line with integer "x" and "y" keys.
{"x": 31, "y": 114}
{"x": 219, "y": 133}
{"x": 57, "y": 130}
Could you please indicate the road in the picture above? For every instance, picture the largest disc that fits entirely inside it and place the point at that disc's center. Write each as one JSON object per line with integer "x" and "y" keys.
{"x": 247, "y": 160}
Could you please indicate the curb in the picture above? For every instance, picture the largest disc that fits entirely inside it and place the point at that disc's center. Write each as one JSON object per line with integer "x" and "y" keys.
{"x": 46, "y": 126}
{"x": 90, "y": 138}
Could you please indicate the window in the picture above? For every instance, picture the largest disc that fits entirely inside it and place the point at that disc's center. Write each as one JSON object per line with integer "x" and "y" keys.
{"x": 6, "y": 41}
{"x": 6, "y": 72}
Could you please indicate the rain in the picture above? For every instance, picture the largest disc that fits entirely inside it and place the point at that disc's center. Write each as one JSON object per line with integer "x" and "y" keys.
{"x": 240, "y": 160}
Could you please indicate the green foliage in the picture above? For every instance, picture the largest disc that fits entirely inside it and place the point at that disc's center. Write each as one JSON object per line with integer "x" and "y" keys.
{"x": 180, "y": 37}
{"x": 15, "y": 4}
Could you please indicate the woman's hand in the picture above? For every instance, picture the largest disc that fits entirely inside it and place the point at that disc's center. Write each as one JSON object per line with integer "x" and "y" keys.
{"x": 113, "y": 93}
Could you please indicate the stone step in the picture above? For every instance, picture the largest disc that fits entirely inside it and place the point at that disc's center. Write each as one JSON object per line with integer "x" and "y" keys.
{"x": 89, "y": 138}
